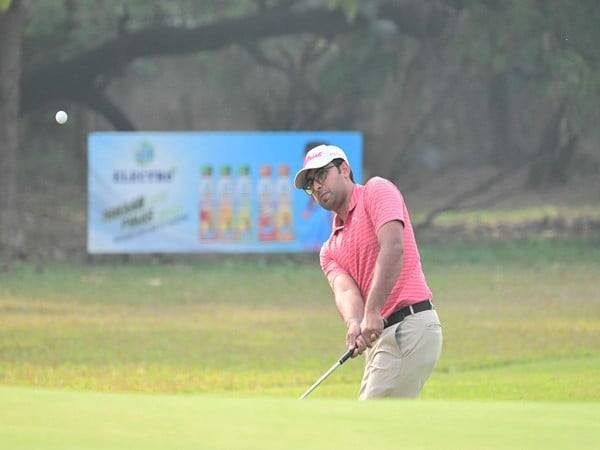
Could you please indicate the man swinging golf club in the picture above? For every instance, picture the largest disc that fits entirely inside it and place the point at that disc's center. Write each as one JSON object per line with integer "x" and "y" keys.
{"x": 372, "y": 263}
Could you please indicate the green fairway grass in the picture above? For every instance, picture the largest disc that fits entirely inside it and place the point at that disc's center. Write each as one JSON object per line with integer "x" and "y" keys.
{"x": 521, "y": 322}
{"x": 33, "y": 418}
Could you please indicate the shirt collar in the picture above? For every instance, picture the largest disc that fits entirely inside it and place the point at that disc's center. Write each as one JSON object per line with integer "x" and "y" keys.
{"x": 356, "y": 192}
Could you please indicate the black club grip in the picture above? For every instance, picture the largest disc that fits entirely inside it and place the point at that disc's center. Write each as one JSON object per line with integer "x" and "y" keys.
{"x": 347, "y": 355}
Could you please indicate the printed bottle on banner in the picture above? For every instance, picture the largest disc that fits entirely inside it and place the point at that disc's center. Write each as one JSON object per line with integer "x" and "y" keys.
{"x": 206, "y": 222}
{"x": 243, "y": 198}
{"x": 266, "y": 222}
{"x": 283, "y": 189}
{"x": 225, "y": 196}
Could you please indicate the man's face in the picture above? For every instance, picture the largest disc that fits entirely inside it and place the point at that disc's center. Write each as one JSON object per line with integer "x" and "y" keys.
{"x": 326, "y": 185}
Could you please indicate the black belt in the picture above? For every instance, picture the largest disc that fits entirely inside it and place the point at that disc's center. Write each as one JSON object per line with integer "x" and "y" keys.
{"x": 401, "y": 314}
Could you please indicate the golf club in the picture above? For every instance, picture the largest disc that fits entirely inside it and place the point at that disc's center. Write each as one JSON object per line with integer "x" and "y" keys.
{"x": 341, "y": 361}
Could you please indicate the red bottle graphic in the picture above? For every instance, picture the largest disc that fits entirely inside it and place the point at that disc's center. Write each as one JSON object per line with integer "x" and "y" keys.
{"x": 206, "y": 222}
{"x": 266, "y": 219}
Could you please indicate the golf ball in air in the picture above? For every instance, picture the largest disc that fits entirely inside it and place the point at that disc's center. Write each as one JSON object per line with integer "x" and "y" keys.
{"x": 61, "y": 117}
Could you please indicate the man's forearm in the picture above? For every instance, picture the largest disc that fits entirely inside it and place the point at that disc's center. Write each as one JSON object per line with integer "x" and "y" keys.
{"x": 387, "y": 270}
{"x": 350, "y": 306}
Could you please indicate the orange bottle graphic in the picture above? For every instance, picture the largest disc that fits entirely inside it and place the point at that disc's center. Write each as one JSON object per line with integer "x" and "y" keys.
{"x": 225, "y": 198}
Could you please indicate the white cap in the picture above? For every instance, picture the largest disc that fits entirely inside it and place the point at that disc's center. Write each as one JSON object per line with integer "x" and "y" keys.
{"x": 318, "y": 157}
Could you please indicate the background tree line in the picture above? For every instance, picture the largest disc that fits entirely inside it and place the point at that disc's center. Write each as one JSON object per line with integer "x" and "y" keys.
{"x": 431, "y": 84}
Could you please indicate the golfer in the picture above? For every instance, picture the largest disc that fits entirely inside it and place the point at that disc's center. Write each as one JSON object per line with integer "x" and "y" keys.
{"x": 372, "y": 263}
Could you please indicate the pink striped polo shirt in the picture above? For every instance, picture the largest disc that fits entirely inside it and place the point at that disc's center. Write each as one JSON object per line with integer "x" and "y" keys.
{"x": 352, "y": 247}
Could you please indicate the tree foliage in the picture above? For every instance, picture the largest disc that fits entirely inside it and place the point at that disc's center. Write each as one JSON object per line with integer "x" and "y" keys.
{"x": 79, "y": 71}
{"x": 4, "y": 5}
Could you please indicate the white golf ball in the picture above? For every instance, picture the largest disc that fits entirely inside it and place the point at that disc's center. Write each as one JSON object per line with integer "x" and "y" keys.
{"x": 61, "y": 117}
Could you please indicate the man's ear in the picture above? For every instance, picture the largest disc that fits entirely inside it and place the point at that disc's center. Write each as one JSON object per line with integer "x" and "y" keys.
{"x": 345, "y": 168}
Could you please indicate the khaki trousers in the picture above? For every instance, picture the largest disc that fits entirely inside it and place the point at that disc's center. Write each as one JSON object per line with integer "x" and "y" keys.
{"x": 402, "y": 359}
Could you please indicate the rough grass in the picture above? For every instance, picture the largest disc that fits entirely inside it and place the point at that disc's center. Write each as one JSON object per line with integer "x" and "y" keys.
{"x": 516, "y": 216}
{"x": 521, "y": 322}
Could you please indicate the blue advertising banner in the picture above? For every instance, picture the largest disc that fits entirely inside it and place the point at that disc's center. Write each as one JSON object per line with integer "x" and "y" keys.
{"x": 170, "y": 192}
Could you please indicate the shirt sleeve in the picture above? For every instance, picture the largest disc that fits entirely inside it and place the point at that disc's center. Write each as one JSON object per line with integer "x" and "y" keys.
{"x": 383, "y": 202}
{"x": 329, "y": 266}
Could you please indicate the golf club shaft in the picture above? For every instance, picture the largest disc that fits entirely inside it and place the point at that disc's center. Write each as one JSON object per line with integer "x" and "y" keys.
{"x": 341, "y": 361}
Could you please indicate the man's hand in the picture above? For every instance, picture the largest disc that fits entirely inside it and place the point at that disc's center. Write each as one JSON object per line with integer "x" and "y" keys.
{"x": 354, "y": 337}
{"x": 371, "y": 327}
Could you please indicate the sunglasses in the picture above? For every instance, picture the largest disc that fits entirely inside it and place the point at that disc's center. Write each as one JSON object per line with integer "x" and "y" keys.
{"x": 319, "y": 175}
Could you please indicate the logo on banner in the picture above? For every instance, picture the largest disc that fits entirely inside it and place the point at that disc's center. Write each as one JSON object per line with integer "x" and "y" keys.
{"x": 143, "y": 156}
{"x": 144, "y": 153}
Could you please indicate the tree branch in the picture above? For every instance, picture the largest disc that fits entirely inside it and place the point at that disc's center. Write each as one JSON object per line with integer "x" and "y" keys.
{"x": 100, "y": 102}
{"x": 260, "y": 57}
{"x": 60, "y": 79}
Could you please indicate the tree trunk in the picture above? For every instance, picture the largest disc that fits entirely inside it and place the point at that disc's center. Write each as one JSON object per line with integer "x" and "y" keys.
{"x": 404, "y": 116}
{"x": 541, "y": 171}
{"x": 11, "y": 31}
{"x": 503, "y": 148}
{"x": 559, "y": 171}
